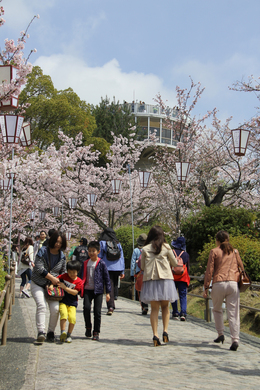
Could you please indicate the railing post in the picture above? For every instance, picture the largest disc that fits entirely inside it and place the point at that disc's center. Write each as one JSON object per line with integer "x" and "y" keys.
{"x": 7, "y": 294}
{"x": 207, "y": 310}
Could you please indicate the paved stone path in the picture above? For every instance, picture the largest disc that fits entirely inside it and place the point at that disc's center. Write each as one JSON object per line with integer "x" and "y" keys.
{"x": 126, "y": 359}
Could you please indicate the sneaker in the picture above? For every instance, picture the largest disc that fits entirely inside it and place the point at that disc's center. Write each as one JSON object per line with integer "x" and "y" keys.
{"x": 183, "y": 317}
{"x": 63, "y": 337}
{"x": 110, "y": 311}
{"x": 95, "y": 336}
{"x": 69, "y": 339}
{"x": 41, "y": 337}
{"x": 50, "y": 337}
{"x": 25, "y": 292}
{"x": 88, "y": 332}
{"x": 175, "y": 316}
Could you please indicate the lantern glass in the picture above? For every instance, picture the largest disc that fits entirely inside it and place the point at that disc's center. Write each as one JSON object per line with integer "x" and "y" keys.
{"x": 11, "y": 126}
{"x": 240, "y": 140}
{"x": 56, "y": 211}
{"x": 72, "y": 203}
{"x": 92, "y": 198}
{"x": 144, "y": 178}
{"x": 32, "y": 216}
{"x": 7, "y": 74}
{"x": 68, "y": 236}
{"x": 5, "y": 184}
{"x": 146, "y": 217}
{"x": 25, "y": 137}
{"x": 42, "y": 215}
{"x": 182, "y": 169}
{"x": 116, "y": 185}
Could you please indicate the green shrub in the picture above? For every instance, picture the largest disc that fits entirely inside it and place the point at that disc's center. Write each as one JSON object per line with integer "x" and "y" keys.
{"x": 202, "y": 227}
{"x": 124, "y": 235}
{"x": 2, "y": 279}
{"x": 249, "y": 250}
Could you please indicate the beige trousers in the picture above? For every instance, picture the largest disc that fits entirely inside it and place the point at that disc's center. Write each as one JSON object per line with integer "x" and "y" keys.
{"x": 230, "y": 292}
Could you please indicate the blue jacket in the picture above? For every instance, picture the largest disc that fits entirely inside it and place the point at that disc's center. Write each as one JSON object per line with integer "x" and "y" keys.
{"x": 101, "y": 277}
{"x": 134, "y": 267}
{"x": 117, "y": 265}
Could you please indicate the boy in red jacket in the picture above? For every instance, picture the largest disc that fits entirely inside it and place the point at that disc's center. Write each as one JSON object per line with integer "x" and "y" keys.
{"x": 95, "y": 276}
{"x": 72, "y": 285}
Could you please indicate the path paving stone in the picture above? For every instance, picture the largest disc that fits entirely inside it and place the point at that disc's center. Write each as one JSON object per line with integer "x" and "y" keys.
{"x": 125, "y": 357}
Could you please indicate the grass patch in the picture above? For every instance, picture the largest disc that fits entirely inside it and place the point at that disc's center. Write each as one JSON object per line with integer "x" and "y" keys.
{"x": 249, "y": 320}
{"x": 2, "y": 281}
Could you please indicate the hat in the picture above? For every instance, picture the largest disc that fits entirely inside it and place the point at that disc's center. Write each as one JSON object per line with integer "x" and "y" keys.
{"x": 180, "y": 243}
{"x": 141, "y": 240}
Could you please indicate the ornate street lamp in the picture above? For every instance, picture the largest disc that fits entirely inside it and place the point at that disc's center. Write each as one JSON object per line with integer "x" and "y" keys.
{"x": 144, "y": 178}
{"x": 146, "y": 217}
{"x": 32, "y": 216}
{"x": 25, "y": 137}
{"x": 73, "y": 203}
{"x": 68, "y": 236}
{"x": 42, "y": 215}
{"x": 240, "y": 140}
{"x": 5, "y": 184}
{"x": 92, "y": 198}
{"x": 116, "y": 185}
{"x": 182, "y": 169}
{"x": 11, "y": 126}
{"x": 56, "y": 211}
{"x": 7, "y": 74}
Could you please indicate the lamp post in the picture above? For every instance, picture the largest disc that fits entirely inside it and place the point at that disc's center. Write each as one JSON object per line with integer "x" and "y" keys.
{"x": 182, "y": 169}
{"x": 42, "y": 215}
{"x": 240, "y": 139}
{"x": 73, "y": 203}
{"x": 116, "y": 185}
{"x": 7, "y": 74}
{"x": 92, "y": 198}
{"x": 56, "y": 211}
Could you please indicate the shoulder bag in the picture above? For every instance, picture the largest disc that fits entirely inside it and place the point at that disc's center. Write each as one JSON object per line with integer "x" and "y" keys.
{"x": 244, "y": 279}
{"x": 25, "y": 258}
{"x": 53, "y": 293}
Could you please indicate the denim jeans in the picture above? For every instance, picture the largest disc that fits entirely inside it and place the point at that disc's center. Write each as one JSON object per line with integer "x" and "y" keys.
{"x": 182, "y": 290}
{"x": 28, "y": 273}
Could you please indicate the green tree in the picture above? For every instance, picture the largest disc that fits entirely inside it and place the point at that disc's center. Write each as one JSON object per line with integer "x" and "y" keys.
{"x": 51, "y": 110}
{"x": 113, "y": 117}
{"x": 201, "y": 228}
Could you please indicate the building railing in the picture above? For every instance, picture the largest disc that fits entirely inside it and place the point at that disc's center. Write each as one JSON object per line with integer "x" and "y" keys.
{"x": 8, "y": 297}
{"x": 152, "y": 109}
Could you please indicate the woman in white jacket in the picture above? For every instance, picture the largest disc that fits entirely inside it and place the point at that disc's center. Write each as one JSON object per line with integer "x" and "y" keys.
{"x": 25, "y": 270}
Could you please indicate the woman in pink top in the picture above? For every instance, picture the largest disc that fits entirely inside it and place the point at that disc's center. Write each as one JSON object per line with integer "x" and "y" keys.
{"x": 223, "y": 264}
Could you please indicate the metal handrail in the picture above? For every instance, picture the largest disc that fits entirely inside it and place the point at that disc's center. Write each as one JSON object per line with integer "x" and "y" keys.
{"x": 8, "y": 296}
{"x": 208, "y": 298}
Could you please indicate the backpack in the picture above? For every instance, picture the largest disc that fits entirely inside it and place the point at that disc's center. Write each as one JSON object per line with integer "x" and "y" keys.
{"x": 112, "y": 251}
{"x": 180, "y": 268}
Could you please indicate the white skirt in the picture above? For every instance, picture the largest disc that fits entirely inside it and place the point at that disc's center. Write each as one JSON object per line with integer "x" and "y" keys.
{"x": 159, "y": 290}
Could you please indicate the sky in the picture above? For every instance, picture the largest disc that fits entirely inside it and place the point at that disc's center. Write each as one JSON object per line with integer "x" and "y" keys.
{"x": 132, "y": 50}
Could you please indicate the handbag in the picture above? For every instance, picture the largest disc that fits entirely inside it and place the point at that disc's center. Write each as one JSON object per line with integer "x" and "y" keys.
{"x": 53, "y": 293}
{"x": 25, "y": 258}
{"x": 244, "y": 279}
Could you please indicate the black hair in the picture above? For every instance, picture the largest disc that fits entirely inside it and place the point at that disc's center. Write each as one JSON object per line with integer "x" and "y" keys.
{"x": 53, "y": 239}
{"x": 94, "y": 244}
{"x": 73, "y": 265}
{"x": 42, "y": 231}
{"x": 223, "y": 238}
{"x": 38, "y": 236}
{"x": 156, "y": 237}
{"x": 50, "y": 232}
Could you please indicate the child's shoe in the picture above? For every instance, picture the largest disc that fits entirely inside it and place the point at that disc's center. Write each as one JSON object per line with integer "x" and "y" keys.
{"x": 63, "y": 336}
{"x": 95, "y": 336}
{"x": 69, "y": 339}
